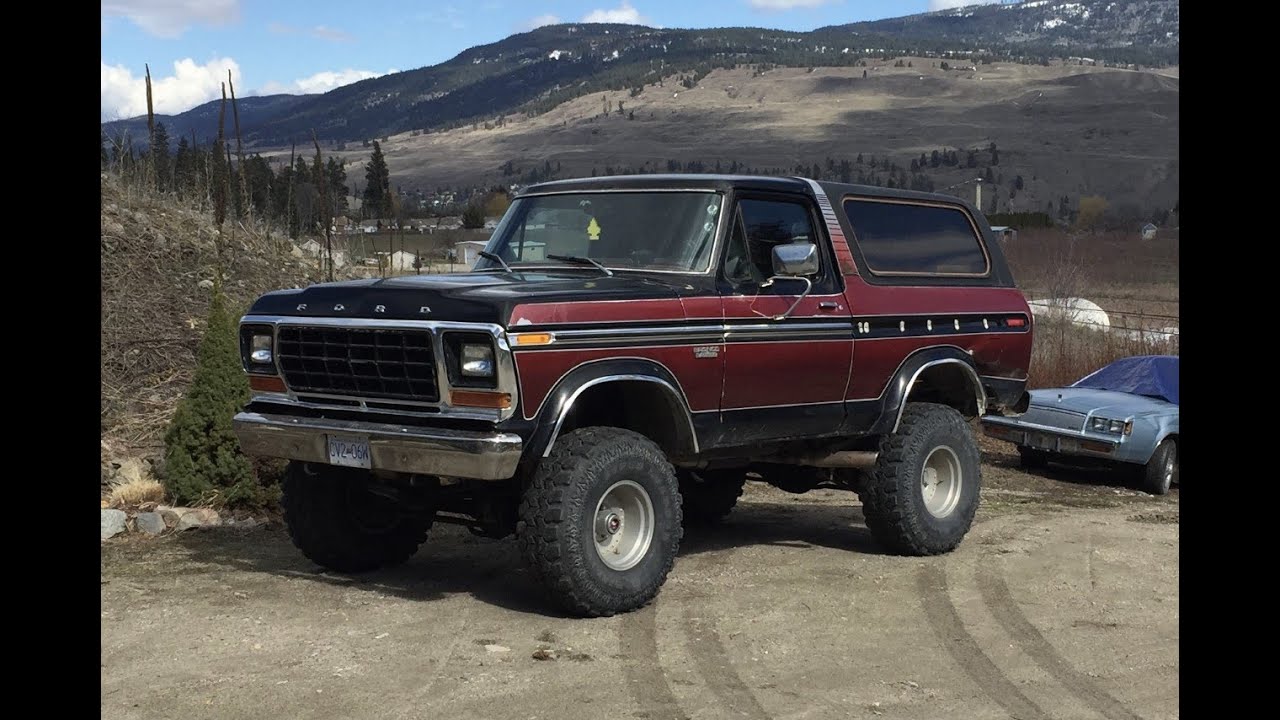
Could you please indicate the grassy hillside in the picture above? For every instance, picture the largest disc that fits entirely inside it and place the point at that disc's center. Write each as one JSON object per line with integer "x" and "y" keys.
{"x": 1066, "y": 129}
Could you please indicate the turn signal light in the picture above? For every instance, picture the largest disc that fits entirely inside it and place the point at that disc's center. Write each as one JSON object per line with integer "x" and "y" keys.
{"x": 528, "y": 339}
{"x": 266, "y": 383}
{"x": 476, "y": 398}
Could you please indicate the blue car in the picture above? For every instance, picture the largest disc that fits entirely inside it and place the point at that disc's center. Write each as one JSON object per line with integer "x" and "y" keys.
{"x": 1125, "y": 414}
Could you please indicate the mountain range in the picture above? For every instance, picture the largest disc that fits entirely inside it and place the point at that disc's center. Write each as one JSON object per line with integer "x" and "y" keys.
{"x": 530, "y": 73}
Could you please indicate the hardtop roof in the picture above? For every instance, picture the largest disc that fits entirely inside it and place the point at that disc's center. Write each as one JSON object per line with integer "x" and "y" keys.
{"x": 708, "y": 181}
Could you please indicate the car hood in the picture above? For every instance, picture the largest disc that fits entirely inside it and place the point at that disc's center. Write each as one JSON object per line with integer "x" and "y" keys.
{"x": 462, "y": 297}
{"x": 1107, "y": 403}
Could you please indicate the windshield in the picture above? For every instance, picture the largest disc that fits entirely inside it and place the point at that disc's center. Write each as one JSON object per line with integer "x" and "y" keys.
{"x": 665, "y": 231}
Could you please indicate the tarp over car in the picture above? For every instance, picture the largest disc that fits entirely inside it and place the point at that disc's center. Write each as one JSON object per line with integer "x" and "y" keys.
{"x": 1149, "y": 375}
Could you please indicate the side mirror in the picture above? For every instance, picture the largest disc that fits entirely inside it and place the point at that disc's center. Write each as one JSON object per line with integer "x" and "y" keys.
{"x": 796, "y": 259}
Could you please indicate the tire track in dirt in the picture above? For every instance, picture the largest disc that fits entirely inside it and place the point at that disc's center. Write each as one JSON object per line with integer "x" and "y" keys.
{"x": 995, "y": 593}
{"x": 947, "y": 625}
{"x": 712, "y": 662}
{"x": 638, "y": 636}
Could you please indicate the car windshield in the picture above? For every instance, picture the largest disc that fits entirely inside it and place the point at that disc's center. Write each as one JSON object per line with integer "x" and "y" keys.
{"x": 642, "y": 230}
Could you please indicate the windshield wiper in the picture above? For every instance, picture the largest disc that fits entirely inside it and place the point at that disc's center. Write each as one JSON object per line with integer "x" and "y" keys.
{"x": 496, "y": 258}
{"x": 579, "y": 260}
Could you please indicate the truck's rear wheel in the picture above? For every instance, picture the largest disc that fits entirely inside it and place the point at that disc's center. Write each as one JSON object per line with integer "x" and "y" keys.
{"x": 337, "y": 520}
{"x": 600, "y": 521}
{"x": 921, "y": 496}
{"x": 709, "y": 495}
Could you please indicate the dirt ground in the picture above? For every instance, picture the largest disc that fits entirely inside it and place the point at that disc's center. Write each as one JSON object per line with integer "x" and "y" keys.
{"x": 1061, "y": 603}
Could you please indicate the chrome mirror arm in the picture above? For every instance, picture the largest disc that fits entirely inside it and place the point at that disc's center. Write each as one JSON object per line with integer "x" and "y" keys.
{"x": 808, "y": 285}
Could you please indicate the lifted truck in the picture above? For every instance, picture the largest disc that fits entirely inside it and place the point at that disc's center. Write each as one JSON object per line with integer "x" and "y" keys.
{"x": 624, "y": 354}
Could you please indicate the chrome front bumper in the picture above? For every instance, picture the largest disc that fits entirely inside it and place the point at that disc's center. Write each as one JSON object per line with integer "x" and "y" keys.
{"x": 398, "y": 448}
{"x": 1048, "y": 439}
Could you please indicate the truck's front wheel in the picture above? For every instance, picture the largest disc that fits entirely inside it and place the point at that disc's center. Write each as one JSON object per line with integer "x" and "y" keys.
{"x": 600, "y": 521}
{"x": 337, "y": 520}
{"x": 922, "y": 494}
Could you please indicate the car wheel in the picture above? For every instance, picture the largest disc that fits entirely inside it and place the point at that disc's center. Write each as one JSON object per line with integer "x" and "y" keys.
{"x": 1032, "y": 459}
{"x": 600, "y": 521}
{"x": 1160, "y": 471}
{"x": 338, "y": 520}
{"x": 921, "y": 496}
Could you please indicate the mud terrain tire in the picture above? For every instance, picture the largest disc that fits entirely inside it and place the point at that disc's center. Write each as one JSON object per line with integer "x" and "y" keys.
{"x": 921, "y": 496}
{"x": 337, "y": 522}
{"x": 566, "y": 520}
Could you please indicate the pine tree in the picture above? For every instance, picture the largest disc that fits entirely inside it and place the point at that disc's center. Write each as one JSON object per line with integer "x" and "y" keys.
{"x": 160, "y": 156}
{"x": 184, "y": 167}
{"x": 336, "y": 182}
{"x": 377, "y": 182}
{"x": 203, "y": 462}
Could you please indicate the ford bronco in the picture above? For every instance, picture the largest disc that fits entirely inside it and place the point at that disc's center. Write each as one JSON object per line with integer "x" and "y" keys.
{"x": 626, "y": 353}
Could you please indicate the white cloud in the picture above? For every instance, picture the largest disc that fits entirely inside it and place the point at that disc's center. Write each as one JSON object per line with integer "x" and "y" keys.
{"x": 786, "y": 4}
{"x": 124, "y": 94}
{"x": 171, "y": 18}
{"x": 623, "y": 14}
{"x": 533, "y": 23}
{"x": 322, "y": 81}
{"x": 936, "y": 5}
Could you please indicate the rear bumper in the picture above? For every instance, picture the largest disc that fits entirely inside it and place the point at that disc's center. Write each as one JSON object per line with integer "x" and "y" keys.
{"x": 398, "y": 448}
{"x": 1048, "y": 439}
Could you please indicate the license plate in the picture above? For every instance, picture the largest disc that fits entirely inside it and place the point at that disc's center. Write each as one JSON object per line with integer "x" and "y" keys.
{"x": 1052, "y": 443}
{"x": 349, "y": 451}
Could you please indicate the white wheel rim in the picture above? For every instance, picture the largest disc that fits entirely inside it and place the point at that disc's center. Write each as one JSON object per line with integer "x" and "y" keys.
{"x": 623, "y": 525}
{"x": 941, "y": 481}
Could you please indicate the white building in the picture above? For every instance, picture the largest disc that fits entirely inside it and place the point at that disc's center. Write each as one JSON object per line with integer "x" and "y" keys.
{"x": 468, "y": 251}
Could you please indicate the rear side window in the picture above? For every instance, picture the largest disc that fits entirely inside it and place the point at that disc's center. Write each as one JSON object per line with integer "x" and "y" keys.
{"x": 910, "y": 239}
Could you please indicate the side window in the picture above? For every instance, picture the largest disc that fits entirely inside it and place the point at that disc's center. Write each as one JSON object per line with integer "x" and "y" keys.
{"x": 759, "y": 225}
{"x": 911, "y": 239}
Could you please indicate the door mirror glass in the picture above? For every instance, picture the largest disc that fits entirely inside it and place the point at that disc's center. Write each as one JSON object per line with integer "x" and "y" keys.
{"x": 797, "y": 259}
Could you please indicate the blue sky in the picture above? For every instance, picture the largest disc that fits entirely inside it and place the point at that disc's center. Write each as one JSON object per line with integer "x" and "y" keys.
{"x": 316, "y": 45}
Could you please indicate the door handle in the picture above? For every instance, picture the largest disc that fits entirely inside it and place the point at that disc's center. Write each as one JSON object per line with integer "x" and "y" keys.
{"x": 828, "y": 305}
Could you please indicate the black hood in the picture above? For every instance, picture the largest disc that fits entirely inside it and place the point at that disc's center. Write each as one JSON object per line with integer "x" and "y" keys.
{"x": 468, "y": 297}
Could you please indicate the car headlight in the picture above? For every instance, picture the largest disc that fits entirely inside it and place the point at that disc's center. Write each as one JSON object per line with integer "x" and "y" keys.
{"x": 477, "y": 360}
{"x": 1109, "y": 426}
{"x": 257, "y": 348}
{"x": 260, "y": 350}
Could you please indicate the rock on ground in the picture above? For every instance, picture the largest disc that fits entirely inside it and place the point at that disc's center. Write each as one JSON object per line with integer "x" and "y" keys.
{"x": 195, "y": 517}
{"x": 112, "y": 522}
{"x": 151, "y": 523}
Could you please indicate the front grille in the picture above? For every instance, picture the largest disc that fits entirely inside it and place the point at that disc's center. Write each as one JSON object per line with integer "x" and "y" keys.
{"x": 364, "y": 362}
{"x": 1054, "y": 418}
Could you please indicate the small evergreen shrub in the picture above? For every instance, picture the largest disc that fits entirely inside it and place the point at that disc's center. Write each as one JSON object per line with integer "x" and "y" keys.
{"x": 203, "y": 463}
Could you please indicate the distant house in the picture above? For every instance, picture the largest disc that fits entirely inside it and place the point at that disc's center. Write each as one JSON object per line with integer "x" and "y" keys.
{"x": 1149, "y": 231}
{"x": 342, "y": 225}
{"x": 370, "y": 226}
{"x": 402, "y": 262}
{"x": 1005, "y": 233}
{"x": 467, "y": 251}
